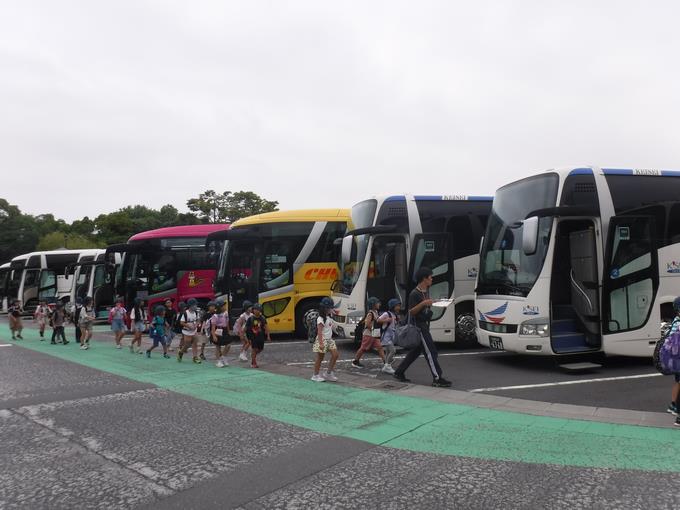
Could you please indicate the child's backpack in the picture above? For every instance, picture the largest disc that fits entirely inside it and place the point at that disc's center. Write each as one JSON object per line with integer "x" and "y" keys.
{"x": 359, "y": 331}
{"x": 669, "y": 354}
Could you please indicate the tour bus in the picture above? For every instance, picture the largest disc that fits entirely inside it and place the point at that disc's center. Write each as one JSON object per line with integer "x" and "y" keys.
{"x": 43, "y": 275}
{"x": 580, "y": 260}
{"x": 167, "y": 263}
{"x": 93, "y": 276}
{"x": 285, "y": 260}
{"x": 393, "y": 237}
{"x": 5, "y": 273}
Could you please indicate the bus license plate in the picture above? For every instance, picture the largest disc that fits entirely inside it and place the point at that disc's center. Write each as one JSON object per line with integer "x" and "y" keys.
{"x": 496, "y": 343}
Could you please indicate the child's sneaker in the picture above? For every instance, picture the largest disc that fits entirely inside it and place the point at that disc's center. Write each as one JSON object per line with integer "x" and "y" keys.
{"x": 148, "y": 354}
{"x": 677, "y": 422}
{"x": 197, "y": 361}
{"x": 672, "y": 409}
{"x": 202, "y": 356}
{"x": 224, "y": 361}
{"x": 387, "y": 369}
{"x": 66, "y": 342}
{"x": 20, "y": 337}
{"x": 243, "y": 356}
{"x": 166, "y": 356}
{"x": 52, "y": 342}
{"x": 358, "y": 364}
{"x": 179, "y": 356}
{"x": 318, "y": 378}
{"x": 87, "y": 346}
{"x": 83, "y": 347}
{"x": 330, "y": 376}
{"x": 219, "y": 364}
{"x": 119, "y": 346}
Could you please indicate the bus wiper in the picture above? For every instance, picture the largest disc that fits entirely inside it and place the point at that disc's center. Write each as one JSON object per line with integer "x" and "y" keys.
{"x": 518, "y": 290}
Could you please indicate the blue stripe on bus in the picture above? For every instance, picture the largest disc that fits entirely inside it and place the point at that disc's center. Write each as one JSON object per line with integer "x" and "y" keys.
{"x": 480, "y": 198}
{"x": 427, "y": 197}
{"x": 395, "y": 198}
{"x": 670, "y": 173}
{"x": 617, "y": 171}
{"x": 581, "y": 171}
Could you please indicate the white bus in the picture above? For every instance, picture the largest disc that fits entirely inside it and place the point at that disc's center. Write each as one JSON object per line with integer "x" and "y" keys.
{"x": 580, "y": 260}
{"x": 393, "y": 237}
{"x": 93, "y": 275}
{"x": 43, "y": 275}
{"x": 5, "y": 273}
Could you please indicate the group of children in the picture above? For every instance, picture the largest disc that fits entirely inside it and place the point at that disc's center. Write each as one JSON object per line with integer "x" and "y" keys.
{"x": 195, "y": 329}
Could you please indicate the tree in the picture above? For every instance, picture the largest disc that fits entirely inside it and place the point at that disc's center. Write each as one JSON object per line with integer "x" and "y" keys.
{"x": 57, "y": 240}
{"x": 18, "y": 232}
{"x": 229, "y": 207}
{"x": 210, "y": 206}
{"x": 246, "y": 203}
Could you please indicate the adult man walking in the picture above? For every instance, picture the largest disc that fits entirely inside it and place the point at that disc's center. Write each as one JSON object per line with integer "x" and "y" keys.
{"x": 419, "y": 304}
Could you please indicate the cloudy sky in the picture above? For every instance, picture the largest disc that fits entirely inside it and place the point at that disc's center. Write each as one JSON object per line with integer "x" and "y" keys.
{"x": 105, "y": 104}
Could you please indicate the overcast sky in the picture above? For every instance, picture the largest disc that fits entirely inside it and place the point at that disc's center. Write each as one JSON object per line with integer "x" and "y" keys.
{"x": 105, "y": 104}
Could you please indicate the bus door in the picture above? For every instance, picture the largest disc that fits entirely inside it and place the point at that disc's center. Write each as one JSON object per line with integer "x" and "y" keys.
{"x": 48, "y": 286}
{"x": 30, "y": 290}
{"x": 388, "y": 269}
{"x": 102, "y": 290}
{"x": 243, "y": 274}
{"x": 436, "y": 252}
{"x": 630, "y": 282}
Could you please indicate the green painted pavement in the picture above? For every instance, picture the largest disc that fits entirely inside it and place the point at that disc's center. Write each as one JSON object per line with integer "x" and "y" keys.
{"x": 390, "y": 419}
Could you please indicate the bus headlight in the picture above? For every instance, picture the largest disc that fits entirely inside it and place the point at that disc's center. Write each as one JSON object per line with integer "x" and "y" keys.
{"x": 354, "y": 317}
{"x": 531, "y": 328}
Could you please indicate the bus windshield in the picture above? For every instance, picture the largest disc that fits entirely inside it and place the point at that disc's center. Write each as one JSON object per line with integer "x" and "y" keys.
{"x": 504, "y": 267}
{"x": 363, "y": 215}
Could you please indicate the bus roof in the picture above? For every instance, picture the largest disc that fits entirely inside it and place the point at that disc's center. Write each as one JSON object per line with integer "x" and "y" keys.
{"x": 456, "y": 197}
{"x": 295, "y": 215}
{"x": 5, "y": 265}
{"x": 181, "y": 231}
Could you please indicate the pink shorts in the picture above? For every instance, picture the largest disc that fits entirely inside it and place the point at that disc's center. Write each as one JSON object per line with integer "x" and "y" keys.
{"x": 369, "y": 342}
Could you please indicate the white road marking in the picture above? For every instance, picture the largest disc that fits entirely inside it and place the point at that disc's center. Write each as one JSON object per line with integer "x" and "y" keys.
{"x": 401, "y": 356}
{"x": 5, "y": 345}
{"x": 565, "y": 383}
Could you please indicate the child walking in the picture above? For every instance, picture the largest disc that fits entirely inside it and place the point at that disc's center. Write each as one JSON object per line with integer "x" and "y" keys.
{"x": 675, "y": 391}
{"x": 240, "y": 329}
{"x": 205, "y": 328}
{"x": 389, "y": 321}
{"x": 86, "y": 320}
{"x": 75, "y": 317}
{"x": 58, "y": 319}
{"x": 41, "y": 316}
{"x": 219, "y": 332}
{"x": 169, "y": 323}
{"x": 324, "y": 343}
{"x": 15, "y": 324}
{"x": 370, "y": 339}
{"x": 189, "y": 321}
{"x": 117, "y": 321}
{"x": 139, "y": 322}
{"x": 176, "y": 326}
{"x": 256, "y": 331}
{"x": 157, "y": 331}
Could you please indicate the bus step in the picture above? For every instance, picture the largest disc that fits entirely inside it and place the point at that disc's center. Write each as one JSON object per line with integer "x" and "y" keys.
{"x": 584, "y": 366}
{"x": 564, "y": 326}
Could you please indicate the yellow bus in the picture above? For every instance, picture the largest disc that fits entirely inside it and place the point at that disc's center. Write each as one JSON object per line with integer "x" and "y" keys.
{"x": 285, "y": 260}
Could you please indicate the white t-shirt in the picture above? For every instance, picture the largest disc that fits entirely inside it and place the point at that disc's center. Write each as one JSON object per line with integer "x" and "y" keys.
{"x": 327, "y": 332}
{"x": 133, "y": 315}
{"x": 191, "y": 318}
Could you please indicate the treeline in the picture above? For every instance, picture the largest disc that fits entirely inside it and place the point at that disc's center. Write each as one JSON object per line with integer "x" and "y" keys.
{"x": 22, "y": 233}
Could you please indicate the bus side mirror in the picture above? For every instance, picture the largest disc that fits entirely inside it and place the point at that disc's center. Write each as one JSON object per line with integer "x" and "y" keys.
{"x": 530, "y": 235}
{"x": 347, "y": 243}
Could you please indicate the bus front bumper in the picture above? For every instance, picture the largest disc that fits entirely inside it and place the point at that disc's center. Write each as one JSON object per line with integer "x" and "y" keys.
{"x": 512, "y": 342}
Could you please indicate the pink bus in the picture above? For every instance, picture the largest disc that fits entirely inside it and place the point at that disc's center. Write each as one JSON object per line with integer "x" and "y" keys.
{"x": 168, "y": 263}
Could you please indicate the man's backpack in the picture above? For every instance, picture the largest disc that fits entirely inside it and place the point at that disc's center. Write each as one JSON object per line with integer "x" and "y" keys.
{"x": 669, "y": 354}
{"x": 359, "y": 331}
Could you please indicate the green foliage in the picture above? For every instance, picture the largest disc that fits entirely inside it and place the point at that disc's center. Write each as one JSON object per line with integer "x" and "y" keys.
{"x": 223, "y": 207}
{"x": 23, "y": 233}
{"x": 57, "y": 240}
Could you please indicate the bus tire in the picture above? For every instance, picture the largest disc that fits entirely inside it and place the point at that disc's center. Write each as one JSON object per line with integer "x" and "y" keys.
{"x": 466, "y": 335}
{"x": 308, "y": 310}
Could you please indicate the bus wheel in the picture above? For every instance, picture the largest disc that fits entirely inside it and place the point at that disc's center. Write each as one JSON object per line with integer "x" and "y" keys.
{"x": 307, "y": 313}
{"x": 465, "y": 329}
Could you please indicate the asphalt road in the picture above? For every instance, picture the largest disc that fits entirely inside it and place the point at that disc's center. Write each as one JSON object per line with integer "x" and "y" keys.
{"x": 77, "y": 437}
